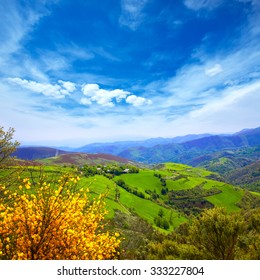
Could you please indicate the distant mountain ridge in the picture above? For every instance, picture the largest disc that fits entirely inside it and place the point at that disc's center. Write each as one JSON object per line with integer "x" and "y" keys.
{"x": 187, "y": 151}
{"x": 181, "y": 149}
{"x": 117, "y": 147}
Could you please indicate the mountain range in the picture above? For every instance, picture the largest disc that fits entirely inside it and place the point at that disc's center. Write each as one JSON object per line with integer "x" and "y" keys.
{"x": 118, "y": 147}
{"x": 187, "y": 152}
{"x": 196, "y": 150}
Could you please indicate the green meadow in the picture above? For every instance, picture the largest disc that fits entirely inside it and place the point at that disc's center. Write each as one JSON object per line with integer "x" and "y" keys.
{"x": 176, "y": 179}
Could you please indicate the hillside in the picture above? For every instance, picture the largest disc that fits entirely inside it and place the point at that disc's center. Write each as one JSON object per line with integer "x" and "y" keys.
{"x": 247, "y": 177}
{"x": 83, "y": 158}
{"x": 227, "y": 160}
{"x": 32, "y": 153}
{"x": 145, "y": 205}
{"x": 176, "y": 190}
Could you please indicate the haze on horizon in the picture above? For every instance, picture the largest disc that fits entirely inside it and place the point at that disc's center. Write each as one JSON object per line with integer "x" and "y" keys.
{"x": 78, "y": 72}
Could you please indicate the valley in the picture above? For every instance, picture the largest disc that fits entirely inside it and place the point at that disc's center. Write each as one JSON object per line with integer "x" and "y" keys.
{"x": 150, "y": 201}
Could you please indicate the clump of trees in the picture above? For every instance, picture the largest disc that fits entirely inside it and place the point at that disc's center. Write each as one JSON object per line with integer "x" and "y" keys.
{"x": 121, "y": 183}
{"x": 161, "y": 221}
{"x": 109, "y": 170}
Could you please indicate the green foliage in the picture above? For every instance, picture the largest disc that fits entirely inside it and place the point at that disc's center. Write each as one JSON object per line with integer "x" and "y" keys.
{"x": 7, "y": 146}
{"x": 228, "y": 198}
{"x": 109, "y": 170}
{"x": 214, "y": 235}
{"x": 136, "y": 233}
{"x": 8, "y": 175}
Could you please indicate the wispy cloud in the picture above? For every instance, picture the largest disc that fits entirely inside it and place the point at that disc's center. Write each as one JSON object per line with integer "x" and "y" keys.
{"x": 59, "y": 90}
{"x": 75, "y": 52}
{"x": 202, "y": 4}
{"x": 63, "y": 81}
{"x": 132, "y": 13}
{"x": 215, "y": 70}
{"x": 17, "y": 21}
{"x": 235, "y": 110}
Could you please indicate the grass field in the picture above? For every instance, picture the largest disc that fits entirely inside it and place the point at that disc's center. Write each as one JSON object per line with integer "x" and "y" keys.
{"x": 144, "y": 208}
{"x": 144, "y": 180}
{"x": 148, "y": 210}
{"x": 178, "y": 177}
{"x": 228, "y": 198}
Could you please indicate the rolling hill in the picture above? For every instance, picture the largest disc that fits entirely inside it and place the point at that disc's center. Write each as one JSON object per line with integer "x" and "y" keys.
{"x": 33, "y": 153}
{"x": 83, "y": 158}
{"x": 176, "y": 189}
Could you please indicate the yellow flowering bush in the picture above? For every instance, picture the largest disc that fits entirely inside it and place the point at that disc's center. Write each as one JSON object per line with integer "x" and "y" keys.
{"x": 43, "y": 222}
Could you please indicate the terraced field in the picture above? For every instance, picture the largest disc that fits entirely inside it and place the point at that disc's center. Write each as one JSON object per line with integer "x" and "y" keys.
{"x": 184, "y": 187}
{"x": 180, "y": 177}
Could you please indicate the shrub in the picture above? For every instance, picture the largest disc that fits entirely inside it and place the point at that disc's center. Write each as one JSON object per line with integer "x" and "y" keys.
{"x": 47, "y": 221}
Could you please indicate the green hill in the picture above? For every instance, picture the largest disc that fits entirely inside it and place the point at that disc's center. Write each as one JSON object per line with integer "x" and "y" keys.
{"x": 165, "y": 196}
{"x": 184, "y": 188}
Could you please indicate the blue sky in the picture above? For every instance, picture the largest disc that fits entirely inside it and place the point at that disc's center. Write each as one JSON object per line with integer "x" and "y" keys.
{"x": 74, "y": 72}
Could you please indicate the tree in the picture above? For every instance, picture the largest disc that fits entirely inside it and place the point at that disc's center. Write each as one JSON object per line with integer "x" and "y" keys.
{"x": 216, "y": 233}
{"x": 161, "y": 213}
{"x": 49, "y": 221}
{"x": 249, "y": 242}
{"x": 7, "y": 147}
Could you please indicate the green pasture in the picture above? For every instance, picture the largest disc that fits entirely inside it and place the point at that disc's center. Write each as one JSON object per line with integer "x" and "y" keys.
{"x": 144, "y": 180}
{"x": 128, "y": 202}
{"x": 178, "y": 177}
{"x": 228, "y": 198}
{"x": 148, "y": 210}
{"x": 184, "y": 183}
{"x": 177, "y": 168}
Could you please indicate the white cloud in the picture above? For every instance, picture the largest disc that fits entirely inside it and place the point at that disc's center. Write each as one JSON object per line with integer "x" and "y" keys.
{"x": 69, "y": 86}
{"x": 216, "y": 69}
{"x": 55, "y": 90}
{"x": 85, "y": 101}
{"x": 107, "y": 98}
{"x": 132, "y": 14}
{"x": 137, "y": 101}
{"x": 103, "y": 97}
{"x": 90, "y": 89}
